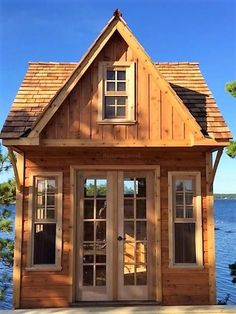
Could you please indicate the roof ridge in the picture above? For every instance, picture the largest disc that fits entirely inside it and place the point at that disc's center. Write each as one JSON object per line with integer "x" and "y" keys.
{"x": 51, "y": 62}
{"x": 178, "y": 62}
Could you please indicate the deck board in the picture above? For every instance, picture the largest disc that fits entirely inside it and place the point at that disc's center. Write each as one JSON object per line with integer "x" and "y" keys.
{"x": 201, "y": 309}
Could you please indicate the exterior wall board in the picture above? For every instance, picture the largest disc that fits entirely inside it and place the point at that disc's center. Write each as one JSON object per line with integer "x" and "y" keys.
{"x": 51, "y": 289}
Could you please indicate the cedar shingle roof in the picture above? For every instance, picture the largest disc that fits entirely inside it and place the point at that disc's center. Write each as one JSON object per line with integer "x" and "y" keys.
{"x": 43, "y": 80}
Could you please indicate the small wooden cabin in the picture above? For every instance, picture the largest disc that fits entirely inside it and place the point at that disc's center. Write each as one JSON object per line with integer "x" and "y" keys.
{"x": 114, "y": 178}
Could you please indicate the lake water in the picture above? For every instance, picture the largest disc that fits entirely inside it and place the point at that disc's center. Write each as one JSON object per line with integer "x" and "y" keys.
{"x": 225, "y": 222}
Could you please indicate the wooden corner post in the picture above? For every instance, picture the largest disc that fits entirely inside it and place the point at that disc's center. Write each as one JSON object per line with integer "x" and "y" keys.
{"x": 18, "y": 167}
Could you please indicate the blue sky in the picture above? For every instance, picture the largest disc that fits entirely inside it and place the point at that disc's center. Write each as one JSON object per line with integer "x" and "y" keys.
{"x": 169, "y": 30}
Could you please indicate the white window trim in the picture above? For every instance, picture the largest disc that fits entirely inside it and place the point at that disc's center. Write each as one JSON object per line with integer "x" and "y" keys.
{"x": 31, "y": 206}
{"x": 198, "y": 229}
{"x": 130, "y": 79}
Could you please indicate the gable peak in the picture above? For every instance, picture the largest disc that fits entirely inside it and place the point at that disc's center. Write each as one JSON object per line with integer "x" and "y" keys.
{"x": 117, "y": 14}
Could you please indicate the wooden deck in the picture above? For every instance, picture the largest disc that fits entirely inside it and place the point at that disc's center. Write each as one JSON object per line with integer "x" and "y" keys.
{"x": 201, "y": 309}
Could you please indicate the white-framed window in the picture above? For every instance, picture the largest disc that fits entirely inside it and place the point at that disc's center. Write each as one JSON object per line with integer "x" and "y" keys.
{"x": 116, "y": 92}
{"x": 45, "y": 221}
{"x": 185, "y": 219}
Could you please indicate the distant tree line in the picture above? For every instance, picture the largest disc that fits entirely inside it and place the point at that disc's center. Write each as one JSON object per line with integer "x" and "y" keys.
{"x": 224, "y": 196}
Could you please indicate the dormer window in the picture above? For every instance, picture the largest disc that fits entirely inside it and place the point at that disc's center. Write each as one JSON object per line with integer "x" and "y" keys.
{"x": 116, "y": 92}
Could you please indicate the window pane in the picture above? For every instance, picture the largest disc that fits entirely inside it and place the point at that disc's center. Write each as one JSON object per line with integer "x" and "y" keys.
{"x": 179, "y": 186}
{"x": 141, "y": 209}
{"x": 179, "y": 198}
{"x": 88, "y": 209}
{"x": 189, "y": 198}
{"x": 44, "y": 243}
{"x": 101, "y": 185}
{"x": 88, "y": 275}
{"x": 141, "y": 187}
{"x": 41, "y": 186}
{"x": 110, "y": 101}
{"x": 121, "y": 86}
{"x": 185, "y": 243}
{"x": 121, "y": 100}
{"x": 101, "y": 209}
{"x": 41, "y": 200}
{"x": 129, "y": 208}
{"x": 121, "y": 75}
{"x": 110, "y": 75}
{"x": 89, "y": 188}
{"x": 179, "y": 212}
{"x": 51, "y": 186}
{"x": 189, "y": 212}
{"x": 121, "y": 112}
{"x": 110, "y": 112}
{"x": 129, "y": 187}
{"x": 188, "y": 185}
{"x": 100, "y": 275}
{"x": 50, "y": 214}
{"x": 88, "y": 231}
{"x": 51, "y": 199}
{"x": 110, "y": 86}
{"x": 40, "y": 213}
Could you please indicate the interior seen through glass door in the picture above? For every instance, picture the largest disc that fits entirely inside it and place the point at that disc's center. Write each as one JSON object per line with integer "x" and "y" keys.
{"x": 135, "y": 232}
{"x": 94, "y": 232}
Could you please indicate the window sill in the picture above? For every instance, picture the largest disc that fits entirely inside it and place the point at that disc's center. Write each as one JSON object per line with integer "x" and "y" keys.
{"x": 186, "y": 266}
{"x": 44, "y": 268}
{"x": 108, "y": 121}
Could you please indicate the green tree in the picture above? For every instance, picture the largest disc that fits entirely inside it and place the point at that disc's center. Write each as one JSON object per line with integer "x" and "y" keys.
{"x": 231, "y": 88}
{"x": 231, "y": 149}
{"x": 7, "y": 196}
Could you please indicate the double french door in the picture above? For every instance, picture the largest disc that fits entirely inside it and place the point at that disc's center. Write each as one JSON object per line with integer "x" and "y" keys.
{"x": 116, "y": 236}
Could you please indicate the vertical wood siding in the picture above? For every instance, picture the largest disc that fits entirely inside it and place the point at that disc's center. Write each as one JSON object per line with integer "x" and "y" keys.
{"x": 51, "y": 289}
{"x": 156, "y": 117}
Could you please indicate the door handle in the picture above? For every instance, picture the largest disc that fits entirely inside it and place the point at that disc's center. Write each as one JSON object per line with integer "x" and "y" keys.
{"x": 120, "y": 238}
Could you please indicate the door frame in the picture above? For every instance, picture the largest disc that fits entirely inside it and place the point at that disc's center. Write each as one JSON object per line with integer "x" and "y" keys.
{"x": 73, "y": 220}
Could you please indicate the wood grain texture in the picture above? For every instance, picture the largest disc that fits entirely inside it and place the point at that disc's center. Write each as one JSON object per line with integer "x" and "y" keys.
{"x": 54, "y": 287}
{"x": 156, "y": 117}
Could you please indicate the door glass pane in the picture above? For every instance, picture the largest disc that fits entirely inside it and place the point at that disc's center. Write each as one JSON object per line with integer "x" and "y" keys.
{"x": 88, "y": 209}
{"x": 129, "y": 271}
{"x": 135, "y": 233}
{"x": 129, "y": 256}
{"x": 88, "y": 253}
{"x": 101, "y": 231}
{"x": 94, "y": 228}
{"x": 129, "y": 230}
{"x": 141, "y": 187}
{"x": 141, "y": 208}
{"x": 100, "y": 275}
{"x": 101, "y": 186}
{"x": 89, "y": 188}
{"x": 141, "y": 252}
{"x": 88, "y": 275}
{"x": 141, "y": 275}
{"x": 128, "y": 187}
{"x": 100, "y": 253}
{"x": 88, "y": 231}
{"x": 101, "y": 209}
{"x": 141, "y": 233}
{"x": 128, "y": 208}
